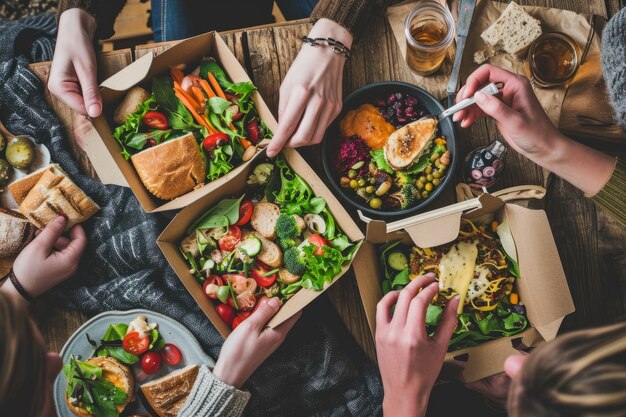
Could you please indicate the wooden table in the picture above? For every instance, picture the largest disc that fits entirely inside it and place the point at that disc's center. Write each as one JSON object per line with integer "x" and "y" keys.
{"x": 589, "y": 242}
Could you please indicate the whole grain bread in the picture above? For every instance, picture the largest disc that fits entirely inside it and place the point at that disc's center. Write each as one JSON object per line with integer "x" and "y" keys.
{"x": 264, "y": 218}
{"x": 15, "y": 232}
{"x": 171, "y": 169}
{"x": 407, "y": 144}
{"x": 168, "y": 394}
{"x": 513, "y": 31}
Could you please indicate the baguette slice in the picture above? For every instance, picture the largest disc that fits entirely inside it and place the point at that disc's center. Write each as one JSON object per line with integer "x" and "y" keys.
{"x": 407, "y": 144}
{"x": 513, "y": 31}
{"x": 15, "y": 232}
{"x": 116, "y": 373}
{"x": 168, "y": 394}
{"x": 270, "y": 254}
{"x": 55, "y": 194}
{"x": 264, "y": 218}
{"x": 171, "y": 169}
{"x": 20, "y": 189}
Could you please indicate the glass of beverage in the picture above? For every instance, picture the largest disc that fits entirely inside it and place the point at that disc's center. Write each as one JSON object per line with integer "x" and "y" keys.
{"x": 429, "y": 30}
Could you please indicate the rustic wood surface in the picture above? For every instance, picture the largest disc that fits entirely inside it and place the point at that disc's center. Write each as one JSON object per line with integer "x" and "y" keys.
{"x": 589, "y": 242}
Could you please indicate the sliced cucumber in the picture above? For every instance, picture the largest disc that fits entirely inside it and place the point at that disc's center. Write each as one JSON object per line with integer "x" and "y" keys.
{"x": 397, "y": 261}
{"x": 251, "y": 246}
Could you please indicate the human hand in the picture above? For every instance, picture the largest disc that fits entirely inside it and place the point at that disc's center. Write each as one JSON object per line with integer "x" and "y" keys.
{"x": 251, "y": 343}
{"x": 495, "y": 388}
{"x": 73, "y": 73}
{"x": 50, "y": 258}
{"x": 409, "y": 359}
{"x": 518, "y": 114}
{"x": 310, "y": 95}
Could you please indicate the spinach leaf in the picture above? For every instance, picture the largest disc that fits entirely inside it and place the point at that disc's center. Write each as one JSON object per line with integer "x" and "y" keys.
{"x": 178, "y": 116}
{"x": 401, "y": 279}
{"x": 218, "y": 105}
{"x": 121, "y": 355}
{"x": 138, "y": 140}
{"x": 156, "y": 340}
{"x": 219, "y": 74}
{"x": 316, "y": 205}
{"x": 226, "y": 211}
{"x": 115, "y": 332}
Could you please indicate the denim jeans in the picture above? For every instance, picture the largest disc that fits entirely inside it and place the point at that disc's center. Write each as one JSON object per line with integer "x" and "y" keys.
{"x": 180, "y": 19}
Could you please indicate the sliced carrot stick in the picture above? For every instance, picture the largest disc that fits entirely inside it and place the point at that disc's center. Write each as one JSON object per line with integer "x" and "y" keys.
{"x": 216, "y": 86}
{"x": 177, "y": 75}
{"x": 201, "y": 120}
{"x": 207, "y": 88}
{"x": 245, "y": 143}
{"x": 188, "y": 96}
{"x": 198, "y": 94}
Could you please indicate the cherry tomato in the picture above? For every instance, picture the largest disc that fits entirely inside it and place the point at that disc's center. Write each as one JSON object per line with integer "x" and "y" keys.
{"x": 214, "y": 141}
{"x": 229, "y": 241}
{"x": 252, "y": 129}
{"x": 240, "y": 318}
{"x": 318, "y": 241}
{"x": 171, "y": 354}
{"x": 151, "y": 363}
{"x": 261, "y": 280}
{"x": 245, "y": 212}
{"x": 226, "y": 312}
{"x": 211, "y": 285}
{"x": 150, "y": 143}
{"x": 155, "y": 120}
{"x": 136, "y": 343}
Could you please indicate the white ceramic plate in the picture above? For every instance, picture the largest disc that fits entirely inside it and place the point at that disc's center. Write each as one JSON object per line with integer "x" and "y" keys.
{"x": 42, "y": 159}
{"x": 172, "y": 331}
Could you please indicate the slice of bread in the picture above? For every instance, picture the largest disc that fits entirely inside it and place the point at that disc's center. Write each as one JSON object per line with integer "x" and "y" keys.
{"x": 116, "y": 373}
{"x": 407, "y": 144}
{"x": 171, "y": 169}
{"x": 168, "y": 394}
{"x": 264, "y": 218}
{"x": 270, "y": 254}
{"x": 513, "y": 31}
{"x": 15, "y": 232}
{"x": 20, "y": 189}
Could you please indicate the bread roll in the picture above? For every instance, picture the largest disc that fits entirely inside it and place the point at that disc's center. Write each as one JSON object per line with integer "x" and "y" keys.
{"x": 15, "y": 233}
{"x": 131, "y": 102}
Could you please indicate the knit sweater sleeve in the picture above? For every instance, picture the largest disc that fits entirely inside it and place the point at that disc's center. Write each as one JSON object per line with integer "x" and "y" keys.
{"x": 351, "y": 14}
{"x": 613, "y": 196}
{"x": 104, "y": 11}
{"x": 211, "y": 397}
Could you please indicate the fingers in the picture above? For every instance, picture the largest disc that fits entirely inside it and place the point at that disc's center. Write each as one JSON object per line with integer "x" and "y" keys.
{"x": 307, "y": 126}
{"x": 329, "y": 114}
{"x": 69, "y": 92}
{"x": 49, "y": 236}
{"x": 61, "y": 242}
{"x": 448, "y": 322}
{"x": 263, "y": 314}
{"x": 289, "y": 121}
{"x": 417, "y": 310}
{"x": 383, "y": 309}
{"x": 495, "y": 108}
{"x": 78, "y": 241}
{"x": 86, "y": 72}
{"x": 279, "y": 333}
{"x": 407, "y": 295}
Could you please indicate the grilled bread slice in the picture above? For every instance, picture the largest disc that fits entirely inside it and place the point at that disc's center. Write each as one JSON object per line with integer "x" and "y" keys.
{"x": 264, "y": 218}
{"x": 407, "y": 144}
{"x": 20, "y": 189}
{"x": 117, "y": 374}
{"x": 168, "y": 394}
{"x": 270, "y": 254}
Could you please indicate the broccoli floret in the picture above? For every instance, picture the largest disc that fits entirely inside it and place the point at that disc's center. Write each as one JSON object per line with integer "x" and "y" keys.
{"x": 402, "y": 179}
{"x": 287, "y": 227}
{"x": 364, "y": 194}
{"x": 286, "y": 243}
{"x": 409, "y": 191}
{"x": 294, "y": 261}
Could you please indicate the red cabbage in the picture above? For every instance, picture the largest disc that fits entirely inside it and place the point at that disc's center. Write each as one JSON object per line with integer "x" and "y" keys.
{"x": 350, "y": 151}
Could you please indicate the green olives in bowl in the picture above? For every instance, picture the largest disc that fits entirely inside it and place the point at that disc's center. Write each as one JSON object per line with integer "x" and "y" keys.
{"x": 20, "y": 152}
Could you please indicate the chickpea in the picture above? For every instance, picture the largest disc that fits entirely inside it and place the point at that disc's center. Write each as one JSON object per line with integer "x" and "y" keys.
{"x": 434, "y": 157}
{"x": 425, "y": 193}
{"x": 419, "y": 185}
{"x": 429, "y": 177}
{"x": 352, "y": 174}
{"x": 437, "y": 174}
{"x": 376, "y": 203}
{"x": 436, "y": 181}
{"x": 344, "y": 181}
{"x": 429, "y": 186}
{"x": 372, "y": 180}
{"x": 423, "y": 179}
{"x": 354, "y": 184}
{"x": 428, "y": 169}
{"x": 361, "y": 182}
{"x": 370, "y": 189}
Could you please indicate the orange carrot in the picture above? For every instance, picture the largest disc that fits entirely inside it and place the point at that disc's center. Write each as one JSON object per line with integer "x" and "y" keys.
{"x": 201, "y": 120}
{"x": 188, "y": 96}
{"x": 177, "y": 75}
{"x": 207, "y": 88}
{"x": 216, "y": 86}
{"x": 245, "y": 143}
{"x": 198, "y": 94}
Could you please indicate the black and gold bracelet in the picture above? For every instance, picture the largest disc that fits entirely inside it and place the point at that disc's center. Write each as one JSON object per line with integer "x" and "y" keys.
{"x": 336, "y": 46}
{"x": 19, "y": 288}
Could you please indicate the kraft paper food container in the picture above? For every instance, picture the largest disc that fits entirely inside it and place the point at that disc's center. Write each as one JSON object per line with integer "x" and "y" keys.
{"x": 542, "y": 287}
{"x": 176, "y": 231}
{"x": 109, "y": 162}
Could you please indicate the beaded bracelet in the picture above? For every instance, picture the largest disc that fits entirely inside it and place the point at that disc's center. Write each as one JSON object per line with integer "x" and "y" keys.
{"x": 19, "y": 288}
{"x": 336, "y": 46}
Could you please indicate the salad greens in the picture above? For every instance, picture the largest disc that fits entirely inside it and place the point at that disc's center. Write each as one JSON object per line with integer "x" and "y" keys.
{"x": 224, "y": 213}
{"x": 125, "y": 133}
{"x": 111, "y": 344}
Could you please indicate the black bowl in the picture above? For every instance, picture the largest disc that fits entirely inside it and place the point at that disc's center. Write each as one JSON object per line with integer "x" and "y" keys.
{"x": 368, "y": 94}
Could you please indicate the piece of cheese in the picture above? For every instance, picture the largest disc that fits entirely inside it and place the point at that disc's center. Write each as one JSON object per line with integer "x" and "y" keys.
{"x": 456, "y": 270}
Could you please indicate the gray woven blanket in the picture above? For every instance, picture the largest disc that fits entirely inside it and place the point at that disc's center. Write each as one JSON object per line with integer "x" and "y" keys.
{"x": 318, "y": 370}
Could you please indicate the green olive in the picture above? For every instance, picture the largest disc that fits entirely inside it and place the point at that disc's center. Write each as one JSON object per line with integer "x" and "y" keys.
{"x": 424, "y": 193}
{"x": 429, "y": 177}
{"x": 20, "y": 152}
{"x": 435, "y": 157}
{"x": 436, "y": 181}
{"x": 3, "y": 142}
{"x": 437, "y": 174}
{"x": 428, "y": 169}
{"x": 6, "y": 171}
{"x": 354, "y": 184}
{"x": 376, "y": 203}
{"x": 370, "y": 189}
{"x": 429, "y": 186}
{"x": 352, "y": 174}
{"x": 423, "y": 179}
{"x": 372, "y": 180}
{"x": 361, "y": 182}
{"x": 419, "y": 185}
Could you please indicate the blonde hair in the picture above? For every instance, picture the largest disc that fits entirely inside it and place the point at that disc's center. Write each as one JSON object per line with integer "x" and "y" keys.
{"x": 580, "y": 374}
{"x": 22, "y": 362}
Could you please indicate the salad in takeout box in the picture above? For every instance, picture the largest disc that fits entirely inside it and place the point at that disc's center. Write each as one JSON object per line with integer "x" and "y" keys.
{"x": 182, "y": 123}
{"x": 274, "y": 231}
{"x": 500, "y": 258}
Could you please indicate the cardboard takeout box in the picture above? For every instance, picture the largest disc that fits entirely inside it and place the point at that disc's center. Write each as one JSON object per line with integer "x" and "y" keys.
{"x": 542, "y": 287}
{"x": 189, "y": 51}
{"x": 176, "y": 231}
